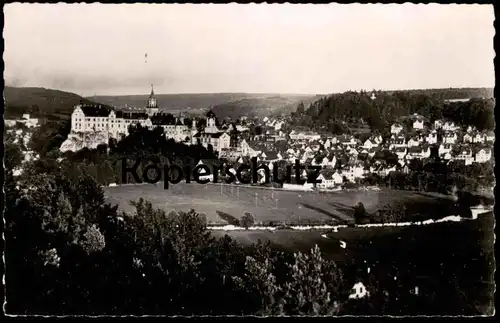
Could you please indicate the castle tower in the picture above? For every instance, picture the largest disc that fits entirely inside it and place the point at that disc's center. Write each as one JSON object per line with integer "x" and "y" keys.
{"x": 152, "y": 106}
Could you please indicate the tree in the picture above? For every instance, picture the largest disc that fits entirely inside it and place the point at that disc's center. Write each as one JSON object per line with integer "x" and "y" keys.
{"x": 307, "y": 292}
{"x": 360, "y": 215}
{"x": 247, "y": 220}
{"x": 93, "y": 240}
{"x": 261, "y": 282}
{"x": 300, "y": 108}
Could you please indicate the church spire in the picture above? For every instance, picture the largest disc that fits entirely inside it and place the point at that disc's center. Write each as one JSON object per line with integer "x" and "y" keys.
{"x": 152, "y": 91}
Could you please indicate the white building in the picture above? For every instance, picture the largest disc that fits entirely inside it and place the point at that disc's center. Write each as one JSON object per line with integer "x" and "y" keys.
{"x": 396, "y": 128}
{"x": 413, "y": 142}
{"x": 479, "y": 138}
{"x": 338, "y": 179}
{"x": 465, "y": 155}
{"x": 418, "y": 124}
{"x": 369, "y": 144}
{"x": 450, "y": 138}
{"x": 444, "y": 148}
{"x": 490, "y": 136}
{"x": 468, "y": 138}
{"x": 449, "y": 126}
{"x": 25, "y": 119}
{"x": 432, "y": 138}
{"x": 483, "y": 155}
{"x": 359, "y": 291}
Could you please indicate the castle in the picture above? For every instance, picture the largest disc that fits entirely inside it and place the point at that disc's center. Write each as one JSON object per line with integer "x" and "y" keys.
{"x": 114, "y": 123}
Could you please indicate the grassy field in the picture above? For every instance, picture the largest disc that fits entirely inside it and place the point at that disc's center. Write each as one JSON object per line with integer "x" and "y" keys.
{"x": 268, "y": 205}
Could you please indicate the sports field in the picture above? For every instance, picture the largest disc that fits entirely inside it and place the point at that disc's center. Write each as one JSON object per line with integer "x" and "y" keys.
{"x": 220, "y": 202}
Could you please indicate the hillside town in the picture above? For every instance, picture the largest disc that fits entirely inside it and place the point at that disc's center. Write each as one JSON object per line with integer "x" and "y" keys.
{"x": 345, "y": 158}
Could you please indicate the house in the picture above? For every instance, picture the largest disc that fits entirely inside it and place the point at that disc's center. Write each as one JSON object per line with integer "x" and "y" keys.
{"x": 467, "y": 138}
{"x": 369, "y": 144}
{"x": 413, "y": 142}
{"x": 347, "y": 140}
{"x": 490, "y": 136}
{"x": 450, "y": 138}
{"x": 483, "y": 155}
{"x": 401, "y": 152}
{"x": 449, "y": 126}
{"x": 328, "y": 179}
{"x": 338, "y": 179}
{"x": 353, "y": 152}
{"x": 465, "y": 155}
{"x": 446, "y": 156}
{"x": 329, "y": 161}
{"x": 359, "y": 291}
{"x": 397, "y": 142}
{"x": 327, "y": 143}
{"x": 432, "y": 138}
{"x": 471, "y": 129}
{"x": 418, "y": 153}
{"x": 444, "y": 148}
{"x": 248, "y": 150}
{"x": 353, "y": 172}
{"x": 418, "y": 124}
{"x": 479, "y": 138}
{"x": 396, "y": 128}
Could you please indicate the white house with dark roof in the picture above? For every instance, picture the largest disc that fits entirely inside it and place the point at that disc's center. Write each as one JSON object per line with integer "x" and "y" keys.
{"x": 444, "y": 148}
{"x": 465, "y": 154}
{"x": 468, "y": 138}
{"x": 396, "y": 128}
{"x": 414, "y": 142}
{"x": 479, "y": 138}
{"x": 450, "y": 138}
{"x": 483, "y": 155}
{"x": 370, "y": 143}
{"x": 397, "y": 142}
{"x": 418, "y": 123}
{"x": 490, "y": 136}
{"x": 432, "y": 137}
{"x": 450, "y": 126}
{"x": 438, "y": 124}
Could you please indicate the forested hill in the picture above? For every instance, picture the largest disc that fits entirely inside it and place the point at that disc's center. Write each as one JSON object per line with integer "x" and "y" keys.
{"x": 339, "y": 113}
{"x": 453, "y": 93}
{"x": 262, "y": 106}
{"x": 40, "y": 102}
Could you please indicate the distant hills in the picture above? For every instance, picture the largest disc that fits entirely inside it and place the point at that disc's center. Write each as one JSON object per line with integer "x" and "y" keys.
{"x": 40, "y": 102}
{"x": 262, "y": 106}
{"x": 223, "y": 104}
{"x": 51, "y": 103}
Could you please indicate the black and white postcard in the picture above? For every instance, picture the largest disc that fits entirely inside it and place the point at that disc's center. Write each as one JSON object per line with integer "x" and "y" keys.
{"x": 248, "y": 160}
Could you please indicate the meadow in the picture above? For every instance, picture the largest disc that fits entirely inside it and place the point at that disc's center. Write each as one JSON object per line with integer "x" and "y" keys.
{"x": 221, "y": 203}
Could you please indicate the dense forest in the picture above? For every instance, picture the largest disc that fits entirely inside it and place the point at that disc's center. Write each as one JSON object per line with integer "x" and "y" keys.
{"x": 338, "y": 113}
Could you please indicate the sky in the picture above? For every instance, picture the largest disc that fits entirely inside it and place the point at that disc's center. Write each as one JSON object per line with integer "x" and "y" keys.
{"x": 260, "y": 48}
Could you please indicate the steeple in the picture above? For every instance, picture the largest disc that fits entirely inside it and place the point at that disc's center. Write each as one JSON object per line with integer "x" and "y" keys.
{"x": 152, "y": 106}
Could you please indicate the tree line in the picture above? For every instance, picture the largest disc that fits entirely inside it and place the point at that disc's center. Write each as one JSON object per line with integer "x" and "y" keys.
{"x": 338, "y": 113}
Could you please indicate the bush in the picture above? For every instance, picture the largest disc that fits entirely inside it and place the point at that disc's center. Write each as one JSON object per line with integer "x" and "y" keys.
{"x": 247, "y": 220}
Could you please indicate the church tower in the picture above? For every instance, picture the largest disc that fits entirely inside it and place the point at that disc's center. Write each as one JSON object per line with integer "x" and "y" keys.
{"x": 152, "y": 106}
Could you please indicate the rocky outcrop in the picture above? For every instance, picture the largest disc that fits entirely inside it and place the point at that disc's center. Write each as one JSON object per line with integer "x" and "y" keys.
{"x": 90, "y": 140}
